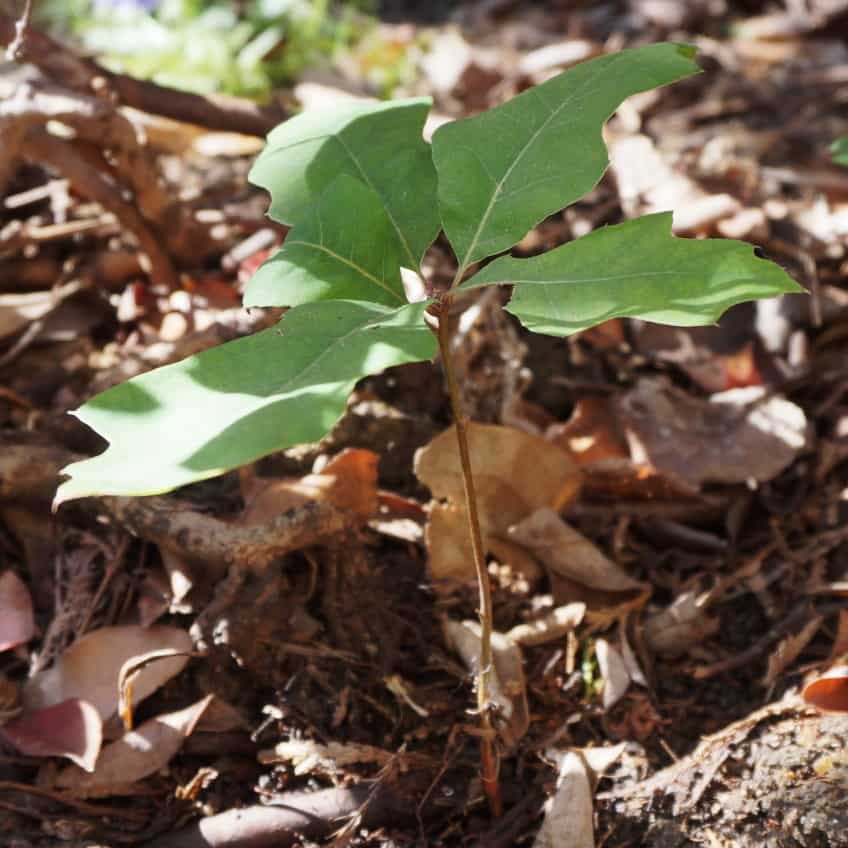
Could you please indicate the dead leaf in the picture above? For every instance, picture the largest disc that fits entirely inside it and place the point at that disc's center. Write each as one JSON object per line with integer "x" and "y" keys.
{"x": 17, "y": 620}
{"x": 570, "y": 554}
{"x": 137, "y": 754}
{"x": 90, "y": 668}
{"x": 734, "y": 437}
{"x": 514, "y": 474}
{"x": 684, "y": 623}
{"x": 613, "y": 671}
{"x": 568, "y": 821}
{"x": 71, "y": 729}
{"x": 507, "y": 688}
{"x": 308, "y": 756}
{"x": 129, "y": 674}
{"x": 557, "y": 623}
{"x": 829, "y": 693}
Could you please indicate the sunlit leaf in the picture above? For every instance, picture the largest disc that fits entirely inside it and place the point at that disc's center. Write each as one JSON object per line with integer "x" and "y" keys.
{"x": 345, "y": 248}
{"x": 380, "y": 144}
{"x": 635, "y": 269}
{"x": 232, "y": 404}
{"x": 502, "y": 172}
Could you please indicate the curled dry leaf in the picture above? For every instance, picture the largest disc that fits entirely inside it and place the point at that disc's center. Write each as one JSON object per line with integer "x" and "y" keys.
{"x": 72, "y": 729}
{"x": 684, "y": 623}
{"x": 556, "y": 624}
{"x": 514, "y": 472}
{"x": 348, "y": 481}
{"x": 572, "y": 559}
{"x": 90, "y": 668}
{"x": 129, "y": 674}
{"x": 613, "y": 671}
{"x": 137, "y": 754}
{"x": 506, "y": 683}
{"x": 17, "y": 621}
{"x": 734, "y": 437}
{"x": 829, "y": 693}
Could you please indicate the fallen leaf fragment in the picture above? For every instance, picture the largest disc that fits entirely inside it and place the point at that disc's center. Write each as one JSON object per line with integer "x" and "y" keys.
{"x": 307, "y": 756}
{"x": 90, "y": 668}
{"x": 788, "y": 650}
{"x": 684, "y": 623}
{"x": 568, "y": 821}
{"x": 557, "y": 623}
{"x": 613, "y": 671}
{"x": 568, "y": 553}
{"x": 17, "y": 620}
{"x": 72, "y": 729}
{"x": 136, "y": 755}
{"x": 507, "y": 688}
{"x": 131, "y": 671}
{"x": 734, "y": 437}
{"x": 829, "y": 693}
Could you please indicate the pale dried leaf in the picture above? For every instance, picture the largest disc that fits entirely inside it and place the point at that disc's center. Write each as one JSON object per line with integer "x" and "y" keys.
{"x": 307, "y": 756}
{"x": 568, "y": 821}
{"x": 136, "y": 755}
{"x": 507, "y": 688}
{"x": 557, "y": 623}
{"x": 17, "y": 620}
{"x": 72, "y": 729}
{"x": 569, "y": 553}
{"x": 89, "y": 669}
{"x": 613, "y": 671}
{"x": 686, "y": 622}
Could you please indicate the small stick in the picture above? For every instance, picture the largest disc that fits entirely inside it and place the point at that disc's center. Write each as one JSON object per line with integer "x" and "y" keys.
{"x": 15, "y": 50}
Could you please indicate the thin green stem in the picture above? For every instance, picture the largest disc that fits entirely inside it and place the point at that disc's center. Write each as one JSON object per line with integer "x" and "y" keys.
{"x": 488, "y": 755}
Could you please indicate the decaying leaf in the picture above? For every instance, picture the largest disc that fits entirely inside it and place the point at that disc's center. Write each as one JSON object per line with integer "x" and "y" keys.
{"x": 71, "y": 729}
{"x": 788, "y": 650}
{"x": 137, "y": 754}
{"x": 507, "y": 688}
{"x": 515, "y": 474}
{"x": 90, "y": 668}
{"x": 556, "y": 624}
{"x": 568, "y": 554}
{"x": 613, "y": 671}
{"x": 130, "y": 672}
{"x": 829, "y": 693}
{"x": 17, "y": 620}
{"x": 734, "y": 437}
{"x": 684, "y": 623}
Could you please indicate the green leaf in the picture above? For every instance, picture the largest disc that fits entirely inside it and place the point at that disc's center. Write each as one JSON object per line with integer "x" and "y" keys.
{"x": 380, "y": 144}
{"x": 839, "y": 151}
{"x": 638, "y": 270}
{"x": 345, "y": 248}
{"x": 502, "y": 172}
{"x": 235, "y": 403}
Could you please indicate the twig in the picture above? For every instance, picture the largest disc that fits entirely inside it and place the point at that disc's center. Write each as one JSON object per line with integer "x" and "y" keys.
{"x": 15, "y": 50}
{"x": 488, "y": 754}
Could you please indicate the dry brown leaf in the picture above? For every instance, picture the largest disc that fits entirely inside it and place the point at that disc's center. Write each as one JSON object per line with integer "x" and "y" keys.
{"x": 514, "y": 474}
{"x": 570, "y": 554}
{"x": 17, "y": 620}
{"x": 348, "y": 481}
{"x": 129, "y": 674}
{"x": 72, "y": 729}
{"x": 686, "y": 622}
{"x": 136, "y": 755}
{"x": 89, "y": 669}
{"x": 734, "y": 437}
{"x": 310, "y": 757}
{"x": 507, "y": 687}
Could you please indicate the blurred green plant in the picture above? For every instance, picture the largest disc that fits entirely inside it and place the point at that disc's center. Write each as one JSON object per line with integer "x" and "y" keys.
{"x": 839, "y": 151}
{"x": 246, "y": 48}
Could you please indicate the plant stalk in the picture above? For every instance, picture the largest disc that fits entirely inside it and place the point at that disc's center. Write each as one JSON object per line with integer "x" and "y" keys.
{"x": 488, "y": 754}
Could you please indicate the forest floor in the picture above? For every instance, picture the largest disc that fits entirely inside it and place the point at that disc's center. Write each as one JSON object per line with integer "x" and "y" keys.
{"x": 707, "y": 467}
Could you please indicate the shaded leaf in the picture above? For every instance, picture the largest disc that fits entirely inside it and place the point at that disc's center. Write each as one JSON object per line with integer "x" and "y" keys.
{"x": 137, "y": 754}
{"x": 569, "y": 821}
{"x": 503, "y": 171}
{"x": 17, "y": 620}
{"x": 614, "y": 672}
{"x": 235, "y": 403}
{"x": 636, "y": 269}
{"x": 380, "y": 144}
{"x": 90, "y": 668}
{"x": 345, "y": 247}
{"x": 71, "y": 729}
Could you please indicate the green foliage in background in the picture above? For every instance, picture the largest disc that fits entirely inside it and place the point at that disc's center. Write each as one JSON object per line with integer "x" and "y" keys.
{"x": 365, "y": 197}
{"x": 246, "y": 48}
{"x": 839, "y": 151}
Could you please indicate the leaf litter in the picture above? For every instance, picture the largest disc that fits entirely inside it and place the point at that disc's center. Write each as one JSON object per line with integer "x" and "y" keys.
{"x": 729, "y": 508}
